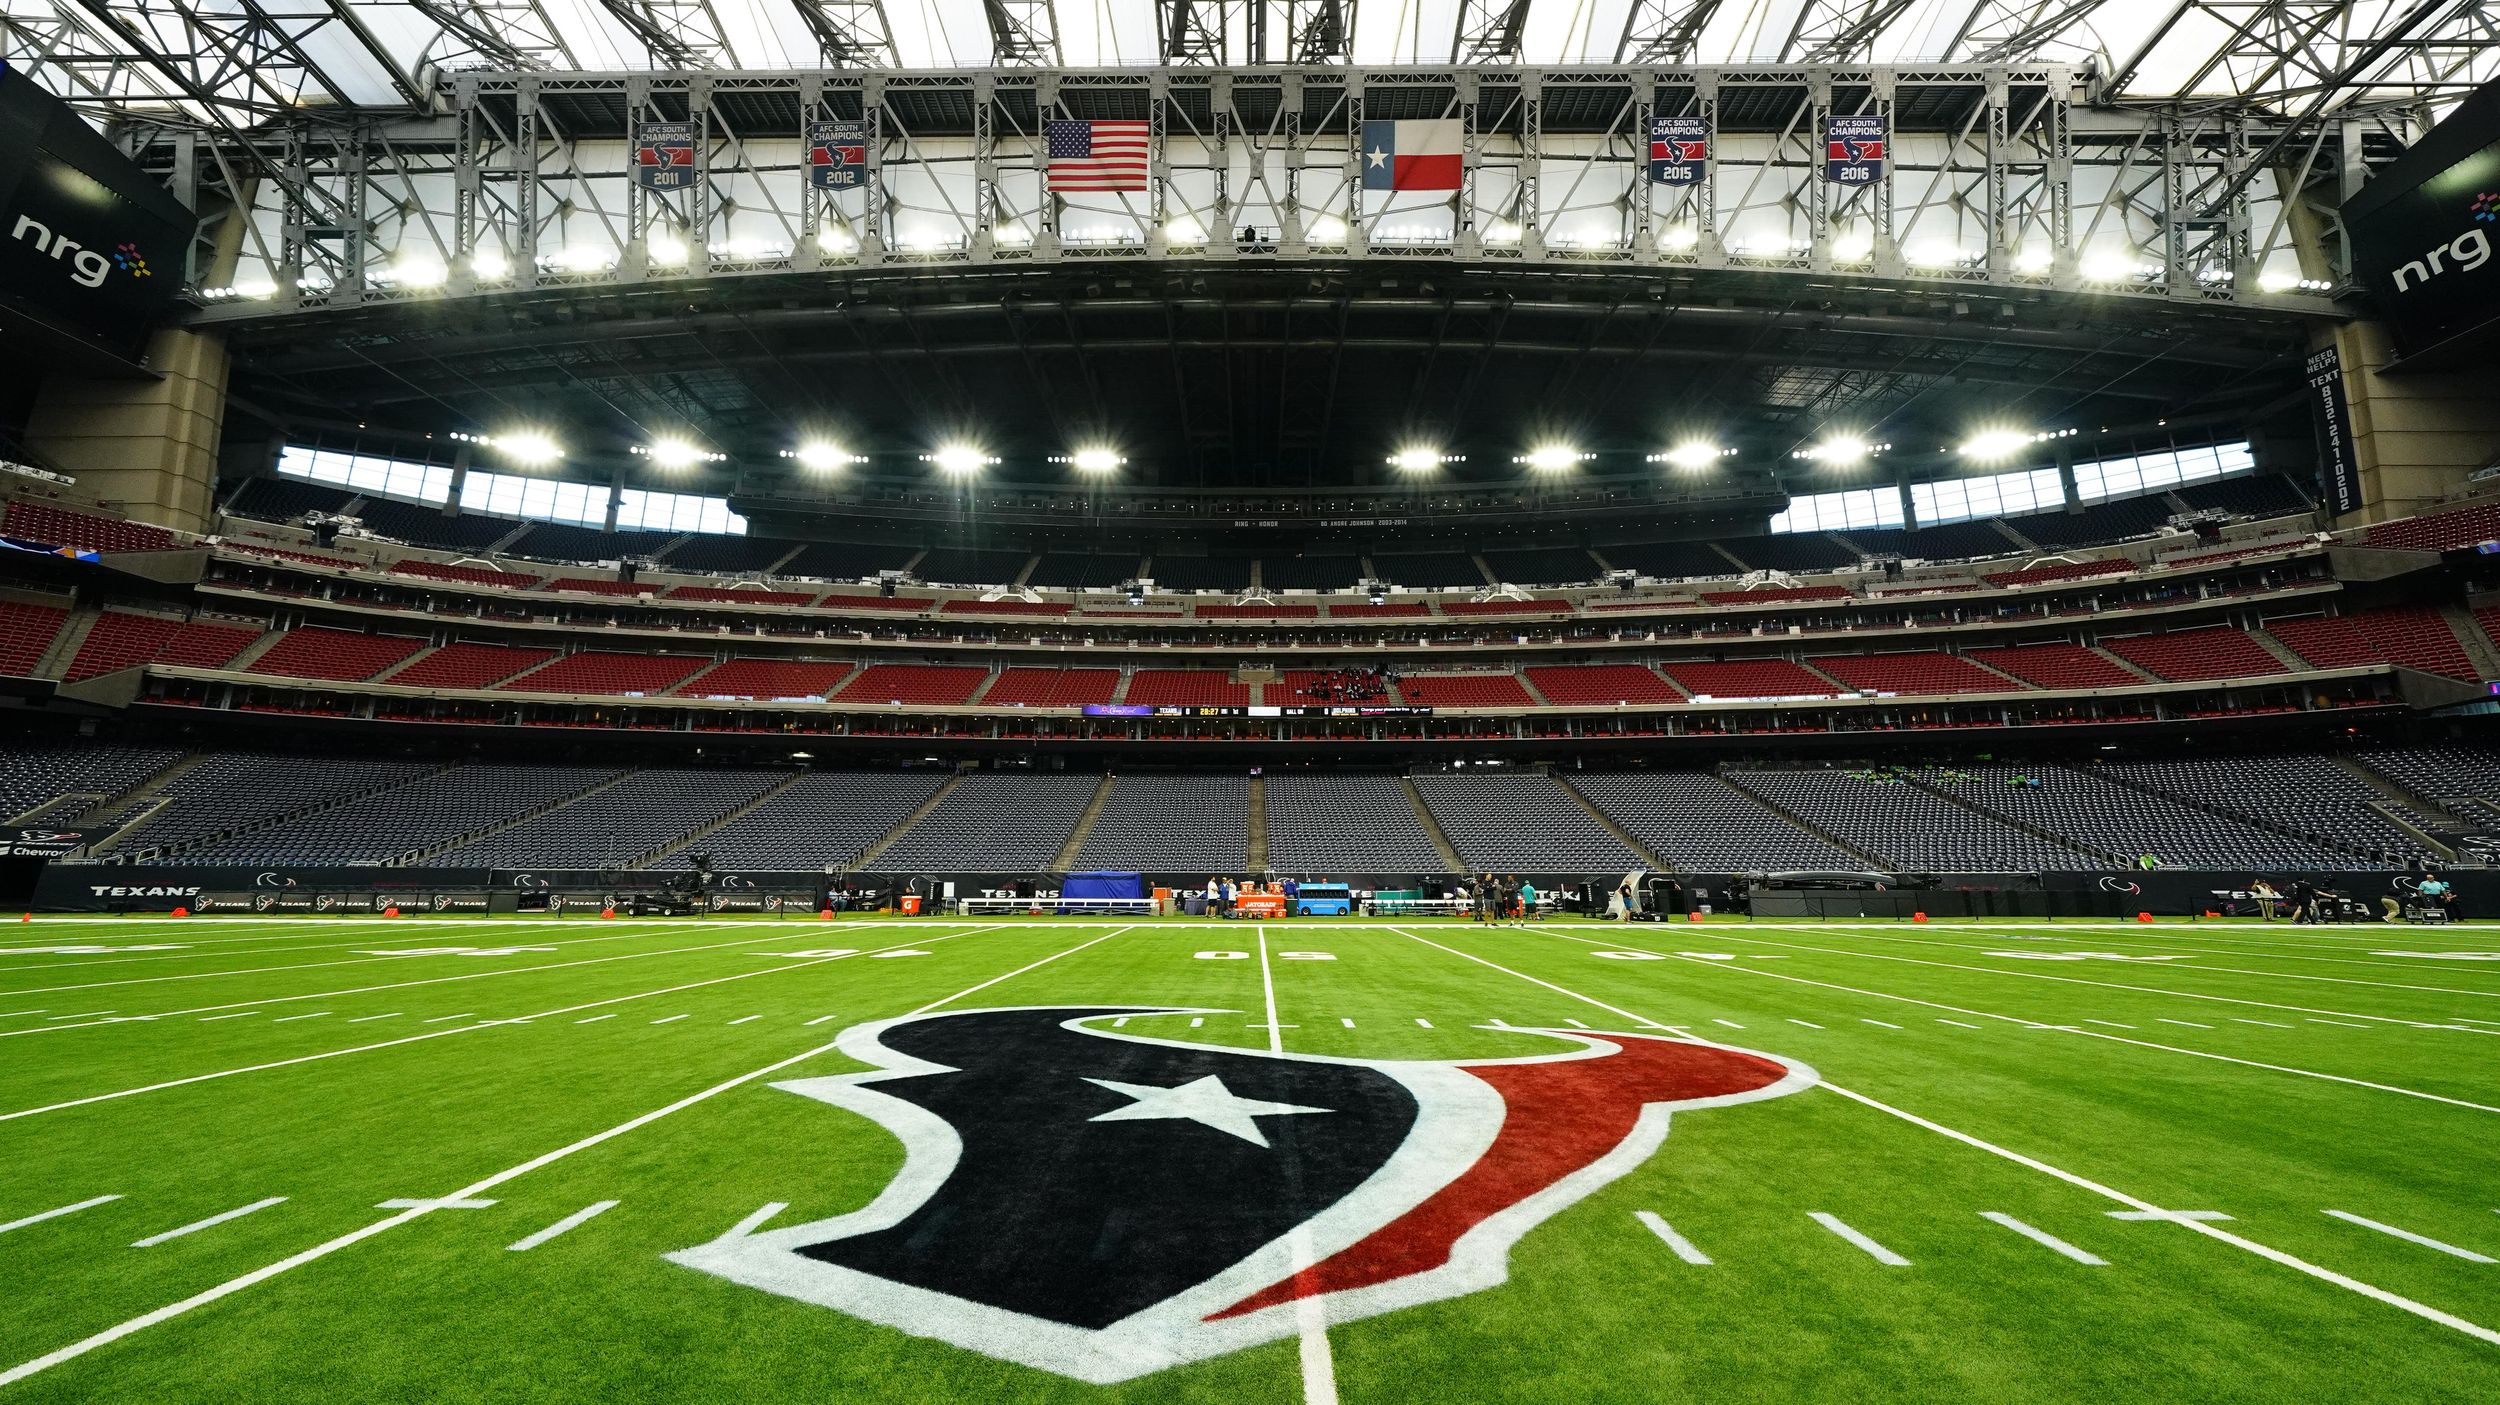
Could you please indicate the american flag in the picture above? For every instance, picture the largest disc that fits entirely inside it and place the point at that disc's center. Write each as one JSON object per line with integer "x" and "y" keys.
{"x": 1097, "y": 155}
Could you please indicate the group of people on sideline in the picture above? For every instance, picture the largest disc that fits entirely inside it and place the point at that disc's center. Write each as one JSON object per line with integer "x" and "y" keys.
{"x": 1508, "y": 898}
{"x": 2309, "y": 902}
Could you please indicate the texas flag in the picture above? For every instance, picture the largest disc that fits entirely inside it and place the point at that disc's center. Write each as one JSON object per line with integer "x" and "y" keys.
{"x": 1411, "y": 155}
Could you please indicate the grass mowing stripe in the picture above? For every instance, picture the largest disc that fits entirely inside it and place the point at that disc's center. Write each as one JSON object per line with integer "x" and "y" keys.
{"x": 458, "y": 1029}
{"x": 2038, "y": 1024}
{"x": 1319, "y": 1363}
{"x": 2105, "y": 985}
{"x": 2265, "y": 1251}
{"x": 477, "y": 1189}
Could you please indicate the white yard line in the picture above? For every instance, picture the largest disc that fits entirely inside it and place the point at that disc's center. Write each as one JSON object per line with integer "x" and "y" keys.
{"x": 1874, "y": 1251}
{"x": 1319, "y": 1361}
{"x": 1682, "y": 1246}
{"x": 472, "y": 1191}
{"x": 572, "y": 1221}
{"x": 56, "y": 1214}
{"x": 2145, "y": 1207}
{"x": 443, "y": 1033}
{"x": 2411, "y": 1238}
{"x": 2043, "y": 1237}
{"x": 212, "y": 1221}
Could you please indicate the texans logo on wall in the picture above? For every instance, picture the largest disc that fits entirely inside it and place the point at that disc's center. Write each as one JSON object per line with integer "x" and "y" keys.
{"x": 1679, "y": 150}
{"x": 837, "y": 154}
{"x": 1103, "y": 1204}
{"x": 1853, "y": 150}
{"x": 664, "y": 155}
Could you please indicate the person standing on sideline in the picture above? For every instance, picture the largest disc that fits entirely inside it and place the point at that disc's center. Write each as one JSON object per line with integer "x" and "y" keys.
{"x": 1527, "y": 899}
{"x": 2266, "y": 897}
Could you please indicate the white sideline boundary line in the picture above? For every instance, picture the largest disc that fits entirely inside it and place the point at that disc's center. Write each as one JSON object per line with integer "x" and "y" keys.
{"x": 56, "y": 1214}
{"x": 575, "y": 1220}
{"x": 2059, "y": 1028}
{"x": 265, "y": 970}
{"x": 1684, "y": 1248}
{"x": 455, "y": 1029}
{"x": 211, "y": 1222}
{"x": 1318, "y": 1359}
{"x": 2265, "y": 1251}
{"x": 1874, "y": 1251}
{"x": 473, "y": 1190}
{"x": 2044, "y": 1238}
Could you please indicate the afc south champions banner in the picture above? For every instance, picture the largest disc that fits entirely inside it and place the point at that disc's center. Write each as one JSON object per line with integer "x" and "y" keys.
{"x": 1679, "y": 150}
{"x": 664, "y": 155}
{"x": 837, "y": 154}
{"x": 1853, "y": 150}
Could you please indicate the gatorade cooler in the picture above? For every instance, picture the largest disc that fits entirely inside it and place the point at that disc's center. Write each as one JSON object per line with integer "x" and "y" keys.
{"x": 911, "y": 904}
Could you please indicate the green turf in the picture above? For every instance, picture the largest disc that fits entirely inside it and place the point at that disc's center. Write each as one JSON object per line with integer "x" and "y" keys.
{"x": 2270, "y": 1073}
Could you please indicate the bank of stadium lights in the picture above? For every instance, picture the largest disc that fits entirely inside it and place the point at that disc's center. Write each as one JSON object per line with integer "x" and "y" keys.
{"x": 665, "y": 251}
{"x": 1998, "y": 445}
{"x": 2034, "y": 261}
{"x": 822, "y": 458}
{"x": 1185, "y": 230}
{"x": 2119, "y": 266}
{"x": 673, "y": 452}
{"x": 1841, "y": 451}
{"x": 579, "y": 259}
{"x": 1011, "y": 236}
{"x": 527, "y": 448}
{"x": 1553, "y": 458}
{"x": 1680, "y": 238}
{"x": 1092, "y": 460}
{"x": 2274, "y": 282}
{"x": 1693, "y": 455}
{"x": 960, "y": 460}
{"x": 1422, "y": 460}
{"x": 489, "y": 263}
{"x": 1854, "y": 246}
{"x": 1328, "y": 229}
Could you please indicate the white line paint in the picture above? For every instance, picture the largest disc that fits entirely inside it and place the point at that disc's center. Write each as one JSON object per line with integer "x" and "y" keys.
{"x": 360, "y": 1019}
{"x": 2345, "y": 1023}
{"x": 1863, "y": 1020}
{"x": 56, "y": 1214}
{"x": 1875, "y": 1251}
{"x": 1807, "y": 1023}
{"x": 2267, "y": 1023}
{"x": 1319, "y": 1359}
{"x": 441, "y": 1019}
{"x": 81, "y": 1015}
{"x": 290, "y": 1019}
{"x": 2109, "y": 1024}
{"x": 2043, "y": 1237}
{"x": 1196, "y": 1021}
{"x": 760, "y": 1218}
{"x": 266, "y": 1272}
{"x": 820, "y": 1019}
{"x": 1683, "y": 1247}
{"x": 746, "y": 1019}
{"x": 2191, "y": 1024}
{"x": 13, "y": 1014}
{"x": 575, "y": 1220}
{"x": 238, "y": 1015}
{"x": 2411, "y": 1238}
{"x": 594, "y": 1019}
{"x": 1729, "y": 1023}
{"x": 1423, "y": 1023}
{"x": 1346, "y": 1022}
{"x": 2189, "y": 1220}
{"x": 1956, "y": 1022}
{"x": 1575, "y": 1024}
{"x": 668, "y": 1019}
{"x": 2182, "y": 1216}
{"x": 197, "y": 1225}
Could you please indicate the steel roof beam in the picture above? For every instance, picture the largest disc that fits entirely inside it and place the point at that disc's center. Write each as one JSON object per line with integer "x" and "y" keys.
{"x": 851, "y": 33}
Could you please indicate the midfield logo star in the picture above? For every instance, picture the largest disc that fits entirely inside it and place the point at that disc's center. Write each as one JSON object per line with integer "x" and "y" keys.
{"x": 1102, "y": 1204}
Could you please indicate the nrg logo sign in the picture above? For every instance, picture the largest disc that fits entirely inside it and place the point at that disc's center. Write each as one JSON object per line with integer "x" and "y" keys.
{"x": 2465, "y": 253}
{"x": 88, "y": 268}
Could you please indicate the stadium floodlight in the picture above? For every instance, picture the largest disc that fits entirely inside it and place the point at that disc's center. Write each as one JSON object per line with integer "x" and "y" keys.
{"x": 1185, "y": 230}
{"x": 667, "y": 251}
{"x": 1013, "y": 236}
{"x": 1856, "y": 246}
{"x": 1679, "y": 238}
{"x": 1935, "y": 253}
{"x": 1842, "y": 451}
{"x": 1328, "y": 229}
{"x": 822, "y": 457}
{"x": 1692, "y": 455}
{"x": 489, "y": 262}
{"x": 673, "y": 452}
{"x": 1996, "y": 445}
{"x": 1095, "y": 460}
{"x": 529, "y": 448}
{"x": 959, "y": 460}
{"x": 1419, "y": 460}
{"x": 418, "y": 273}
{"x": 2034, "y": 260}
{"x": 1552, "y": 458}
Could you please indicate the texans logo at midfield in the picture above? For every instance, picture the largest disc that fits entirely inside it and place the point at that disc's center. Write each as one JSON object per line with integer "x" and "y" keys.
{"x": 1102, "y": 1204}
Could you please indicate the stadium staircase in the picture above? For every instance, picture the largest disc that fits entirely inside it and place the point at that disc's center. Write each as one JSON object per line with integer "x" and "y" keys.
{"x": 1842, "y": 689}
{"x": 1801, "y": 822}
{"x": 507, "y": 822}
{"x": 65, "y": 645}
{"x": 2401, "y": 806}
{"x": 1258, "y": 824}
{"x": 1066, "y": 858}
{"x": 696, "y": 835}
{"x": 2247, "y": 817}
{"x": 1607, "y": 823}
{"x": 1450, "y": 862}
{"x": 137, "y": 805}
{"x": 2035, "y": 831}
{"x": 903, "y": 825}
{"x": 2129, "y": 665}
{"x": 2281, "y": 650}
{"x": 2477, "y": 645}
{"x": 242, "y": 662}
{"x": 1528, "y": 685}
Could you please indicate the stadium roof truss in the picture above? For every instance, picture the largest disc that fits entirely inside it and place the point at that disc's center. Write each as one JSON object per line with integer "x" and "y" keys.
{"x": 2183, "y": 148}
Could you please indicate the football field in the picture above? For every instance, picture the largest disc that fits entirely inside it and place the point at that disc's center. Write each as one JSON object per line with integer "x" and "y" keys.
{"x": 1059, "y": 1160}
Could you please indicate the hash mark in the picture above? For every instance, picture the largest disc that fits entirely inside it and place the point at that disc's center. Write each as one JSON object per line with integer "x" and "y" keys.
{"x": 746, "y": 1018}
{"x": 571, "y": 1221}
{"x": 2043, "y": 1237}
{"x": 2165, "y": 1019}
{"x": 56, "y": 1214}
{"x": 2267, "y": 1023}
{"x": 669, "y": 1019}
{"x": 1864, "y": 1020}
{"x": 197, "y": 1225}
{"x": 1729, "y": 1023}
{"x": 1875, "y": 1251}
{"x": 1807, "y": 1023}
{"x": 1941, "y": 1020}
{"x": 2411, "y": 1238}
{"x": 360, "y": 1019}
{"x": 1427, "y": 1024}
{"x": 1683, "y": 1247}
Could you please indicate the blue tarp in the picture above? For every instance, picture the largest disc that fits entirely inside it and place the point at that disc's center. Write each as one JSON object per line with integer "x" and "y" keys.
{"x": 1105, "y": 883}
